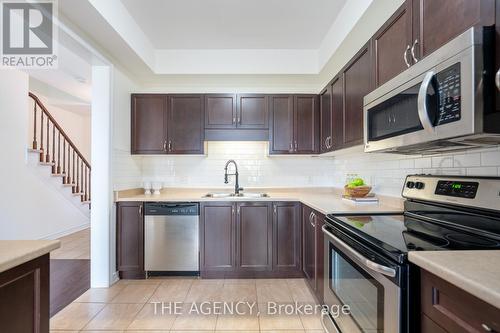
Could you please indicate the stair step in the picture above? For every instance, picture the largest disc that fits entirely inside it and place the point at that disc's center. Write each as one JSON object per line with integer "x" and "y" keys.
{"x": 78, "y": 193}
{"x": 69, "y": 185}
{"x": 47, "y": 163}
{"x": 86, "y": 202}
{"x": 58, "y": 175}
{"x": 31, "y": 150}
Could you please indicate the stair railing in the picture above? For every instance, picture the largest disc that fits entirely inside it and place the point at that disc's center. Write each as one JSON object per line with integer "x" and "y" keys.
{"x": 57, "y": 149}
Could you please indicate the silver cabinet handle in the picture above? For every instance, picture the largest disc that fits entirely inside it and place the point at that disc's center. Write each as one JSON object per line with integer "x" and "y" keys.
{"x": 140, "y": 210}
{"x": 291, "y": 146}
{"x": 330, "y": 142}
{"x": 232, "y": 210}
{"x": 497, "y": 79}
{"x": 165, "y": 145}
{"x": 238, "y": 211}
{"x": 405, "y": 56}
{"x": 311, "y": 217}
{"x": 169, "y": 145}
{"x": 486, "y": 328}
{"x": 275, "y": 210}
{"x": 296, "y": 146}
{"x": 413, "y": 51}
{"x": 423, "y": 114}
{"x": 388, "y": 271}
{"x": 234, "y": 120}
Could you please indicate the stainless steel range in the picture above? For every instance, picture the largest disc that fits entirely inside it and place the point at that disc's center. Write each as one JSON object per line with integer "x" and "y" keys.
{"x": 366, "y": 256}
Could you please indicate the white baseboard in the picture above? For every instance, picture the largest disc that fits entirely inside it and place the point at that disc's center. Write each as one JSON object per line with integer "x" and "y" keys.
{"x": 67, "y": 231}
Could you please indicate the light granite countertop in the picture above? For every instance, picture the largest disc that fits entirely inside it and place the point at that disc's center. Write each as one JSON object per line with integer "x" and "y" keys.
{"x": 323, "y": 200}
{"x": 477, "y": 272}
{"x": 16, "y": 252}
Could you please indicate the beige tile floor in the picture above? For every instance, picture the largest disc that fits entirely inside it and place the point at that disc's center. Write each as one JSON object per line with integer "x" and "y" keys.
{"x": 74, "y": 246}
{"x": 128, "y": 307}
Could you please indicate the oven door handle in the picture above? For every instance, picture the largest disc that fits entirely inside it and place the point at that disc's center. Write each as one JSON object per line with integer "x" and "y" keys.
{"x": 423, "y": 113}
{"x": 388, "y": 271}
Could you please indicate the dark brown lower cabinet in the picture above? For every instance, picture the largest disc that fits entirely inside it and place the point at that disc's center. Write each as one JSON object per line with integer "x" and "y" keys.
{"x": 312, "y": 249}
{"x": 286, "y": 237}
{"x": 249, "y": 239}
{"x": 447, "y": 308}
{"x": 24, "y": 297}
{"x": 254, "y": 230}
{"x": 217, "y": 237}
{"x": 130, "y": 240}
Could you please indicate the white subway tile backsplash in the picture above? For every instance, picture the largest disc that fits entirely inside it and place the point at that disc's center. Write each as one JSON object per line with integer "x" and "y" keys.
{"x": 385, "y": 172}
{"x": 490, "y": 158}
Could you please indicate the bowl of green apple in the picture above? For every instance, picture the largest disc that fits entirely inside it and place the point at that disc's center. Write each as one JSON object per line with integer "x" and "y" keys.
{"x": 357, "y": 188}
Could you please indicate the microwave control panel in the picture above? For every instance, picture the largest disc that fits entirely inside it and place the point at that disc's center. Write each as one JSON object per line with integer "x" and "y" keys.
{"x": 449, "y": 92}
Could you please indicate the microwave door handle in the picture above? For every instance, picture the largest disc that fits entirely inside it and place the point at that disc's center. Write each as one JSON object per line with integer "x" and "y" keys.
{"x": 497, "y": 79}
{"x": 388, "y": 271}
{"x": 423, "y": 113}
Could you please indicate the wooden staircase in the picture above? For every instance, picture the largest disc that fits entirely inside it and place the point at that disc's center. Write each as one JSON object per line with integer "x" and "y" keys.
{"x": 56, "y": 149}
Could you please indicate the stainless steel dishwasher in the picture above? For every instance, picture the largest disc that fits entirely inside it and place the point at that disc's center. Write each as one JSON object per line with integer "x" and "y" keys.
{"x": 171, "y": 237}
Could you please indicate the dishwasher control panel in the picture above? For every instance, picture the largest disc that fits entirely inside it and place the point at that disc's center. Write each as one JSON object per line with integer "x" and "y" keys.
{"x": 171, "y": 209}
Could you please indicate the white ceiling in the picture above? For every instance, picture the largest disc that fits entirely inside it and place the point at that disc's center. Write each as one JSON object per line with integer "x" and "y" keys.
{"x": 234, "y": 24}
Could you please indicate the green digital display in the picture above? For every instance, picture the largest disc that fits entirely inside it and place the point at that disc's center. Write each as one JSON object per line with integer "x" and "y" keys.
{"x": 456, "y": 186}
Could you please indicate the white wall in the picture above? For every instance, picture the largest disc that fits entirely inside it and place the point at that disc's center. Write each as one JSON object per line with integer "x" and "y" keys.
{"x": 29, "y": 208}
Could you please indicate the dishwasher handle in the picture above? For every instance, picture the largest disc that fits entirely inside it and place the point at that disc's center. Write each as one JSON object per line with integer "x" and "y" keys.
{"x": 171, "y": 208}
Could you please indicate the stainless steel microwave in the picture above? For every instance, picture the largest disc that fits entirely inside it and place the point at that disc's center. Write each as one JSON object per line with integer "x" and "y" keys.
{"x": 445, "y": 102}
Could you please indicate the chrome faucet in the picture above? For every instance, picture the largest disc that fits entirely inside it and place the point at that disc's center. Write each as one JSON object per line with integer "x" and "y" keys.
{"x": 237, "y": 187}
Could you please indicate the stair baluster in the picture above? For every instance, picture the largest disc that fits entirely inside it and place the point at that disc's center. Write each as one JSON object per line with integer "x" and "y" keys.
{"x": 77, "y": 171}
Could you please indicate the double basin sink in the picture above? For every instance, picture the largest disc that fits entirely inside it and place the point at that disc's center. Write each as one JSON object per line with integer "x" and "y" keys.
{"x": 233, "y": 195}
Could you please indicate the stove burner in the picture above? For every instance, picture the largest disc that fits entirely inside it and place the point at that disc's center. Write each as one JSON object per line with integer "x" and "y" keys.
{"x": 471, "y": 240}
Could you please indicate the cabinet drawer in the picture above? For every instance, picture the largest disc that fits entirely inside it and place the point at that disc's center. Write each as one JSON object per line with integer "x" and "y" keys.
{"x": 455, "y": 310}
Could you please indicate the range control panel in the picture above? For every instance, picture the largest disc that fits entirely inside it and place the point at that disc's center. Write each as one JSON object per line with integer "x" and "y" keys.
{"x": 449, "y": 94}
{"x": 476, "y": 192}
{"x": 459, "y": 189}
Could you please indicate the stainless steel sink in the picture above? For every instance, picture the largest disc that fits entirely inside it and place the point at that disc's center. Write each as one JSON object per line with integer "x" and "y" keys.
{"x": 240, "y": 195}
{"x": 253, "y": 195}
{"x": 219, "y": 195}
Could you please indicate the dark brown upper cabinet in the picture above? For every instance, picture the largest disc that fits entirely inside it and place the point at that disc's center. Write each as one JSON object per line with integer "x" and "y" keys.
{"x": 392, "y": 45}
{"x": 338, "y": 112}
{"x": 185, "y": 124}
{"x": 357, "y": 84}
{"x": 286, "y": 234}
{"x": 325, "y": 119}
{"x": 294, "y": 124}
{"x": 252, "y": 111}
{"x": 167, "y": 124}
{"x": 441, "y": 21}
{"x": 254, "y": 230}
{"x": 130, "y": 240}
{"x": 149, "y": 123}
{"x": 220, "y": 111}
{"x": 419, "y": 27}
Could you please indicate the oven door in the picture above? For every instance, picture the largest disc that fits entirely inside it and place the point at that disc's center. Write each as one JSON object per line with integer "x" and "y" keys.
{"x": 363, "y": 285}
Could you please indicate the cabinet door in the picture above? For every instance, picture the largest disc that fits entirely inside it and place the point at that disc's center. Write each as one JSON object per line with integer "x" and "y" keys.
{"x": 319, "y": 220}
{"x": 148, "y": 124}
{"x": 338, "y": 112}
{"x": 309, "y": 246}
{"x": 441, "y": 21}
{"x": 286, "y": 234}
{"x": 185, "y": 124}
{"x": 325, "y": 119}
{"x": 130, "y": 240}
{"x": 357, "y": 84}
{"x": 390, "y": 45}
{"x": 220, "y": 111}
{"x": 217, "y": 236}
{"x": 252, "y": 111}
{"x": 254, "y": 236}
{"x": 281, "y": 119}
{"x": 306, "y": 124}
